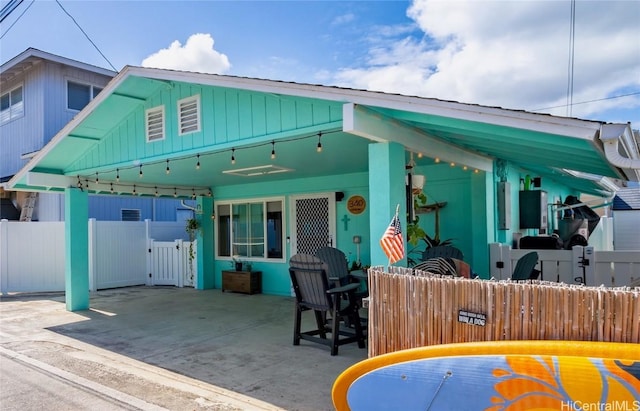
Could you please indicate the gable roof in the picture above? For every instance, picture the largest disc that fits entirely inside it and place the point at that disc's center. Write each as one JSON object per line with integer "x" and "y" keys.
{"x": 627, "y": 199}
{"x": 556, "y": 147}
{"x": 31, "y": 57}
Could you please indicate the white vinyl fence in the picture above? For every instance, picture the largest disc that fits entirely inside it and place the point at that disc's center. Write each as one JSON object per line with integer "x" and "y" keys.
{"x": 32, "y": 255}
{"x": 580, "y": 265}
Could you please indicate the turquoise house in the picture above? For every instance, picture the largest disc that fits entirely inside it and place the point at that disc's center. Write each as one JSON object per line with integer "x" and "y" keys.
{"x": 280, "y": 168}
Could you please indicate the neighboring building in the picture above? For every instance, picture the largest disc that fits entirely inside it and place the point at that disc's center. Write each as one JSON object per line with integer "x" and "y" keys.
{"x": 626, "y": 219}
{"x": 40, "y": 94}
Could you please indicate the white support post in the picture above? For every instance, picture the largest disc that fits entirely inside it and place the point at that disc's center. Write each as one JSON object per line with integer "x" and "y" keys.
{"x": 4, "y": 255}
{"x": 93, "y": 253}
{"x": 589, "y": 264}
{"x": 178, "y": 265}
{"x": 149, "y": 276}
{"x": 507, "y": 271}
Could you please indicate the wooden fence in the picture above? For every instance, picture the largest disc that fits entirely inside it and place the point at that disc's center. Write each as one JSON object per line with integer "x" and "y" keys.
{"x": 408, "y": 311}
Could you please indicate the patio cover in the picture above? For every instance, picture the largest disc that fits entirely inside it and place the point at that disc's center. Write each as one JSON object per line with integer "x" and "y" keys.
{"x": 566, "y": 150}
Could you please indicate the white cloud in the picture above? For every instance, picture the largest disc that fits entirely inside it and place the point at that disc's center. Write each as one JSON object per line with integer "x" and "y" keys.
{"x": 513, "y": 54}
{"x": 198, "y": 54}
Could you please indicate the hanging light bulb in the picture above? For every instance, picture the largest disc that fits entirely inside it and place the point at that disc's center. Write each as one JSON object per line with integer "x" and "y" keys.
{"x": 134, "y": 189}
{"x": 452, "y": 164}
{"x": 140, "y": 172}
{"x": 111, "y": 189}
{"x": 168, "y": 170}
{"x": 117, "y": 175}
{"x": 319, "y": 147}
{"x": 233, "y": 156}
{"x": 157, "y": 195}
{"x": 209, "y": 193}
{"x": 437, "y": 159}
{"x": 198, "y": 163}
{"x": 419, "y": 155}
{"x": 465, "y": 168}
{"x": 79, "y": 183}
{"x": 476, "y": 171}
{"x": 193, "y": 195}
{"x": 175, "y": 193}
{"x": 273, "y": 150}
{"x": 97, "y": 179}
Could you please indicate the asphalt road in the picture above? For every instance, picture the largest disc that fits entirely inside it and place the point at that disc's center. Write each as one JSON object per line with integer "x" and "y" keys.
{"x": 29, "y": 385}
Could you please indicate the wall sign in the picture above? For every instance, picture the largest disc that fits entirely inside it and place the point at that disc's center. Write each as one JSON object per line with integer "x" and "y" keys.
{"x": 472, "y": 318}
{"x": 356, "y": 204}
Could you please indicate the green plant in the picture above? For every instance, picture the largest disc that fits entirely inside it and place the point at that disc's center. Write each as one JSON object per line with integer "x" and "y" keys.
{"x": 416, "y": 234}
{"x": 192, "y": 226}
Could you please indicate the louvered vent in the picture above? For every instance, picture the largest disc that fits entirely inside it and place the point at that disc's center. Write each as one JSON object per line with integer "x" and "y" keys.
{"x": 129, "y": 214}
{"x": 189, "y": 112}
{"x": 155, "y": 124}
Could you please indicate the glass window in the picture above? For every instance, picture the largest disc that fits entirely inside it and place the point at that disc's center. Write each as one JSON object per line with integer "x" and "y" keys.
{"x": 11, "y": 105}
{"x": 251, "y": 230}
{"x": 79, "y": 95}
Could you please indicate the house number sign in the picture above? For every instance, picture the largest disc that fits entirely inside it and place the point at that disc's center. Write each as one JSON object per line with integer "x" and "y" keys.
{"x": 356, "y": 204}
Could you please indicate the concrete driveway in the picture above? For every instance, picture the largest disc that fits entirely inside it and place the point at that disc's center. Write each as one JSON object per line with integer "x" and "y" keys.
{"x": 176, "y": 348}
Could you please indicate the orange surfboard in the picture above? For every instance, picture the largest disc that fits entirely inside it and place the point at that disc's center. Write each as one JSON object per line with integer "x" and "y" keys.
{"x": 505, "y": 375}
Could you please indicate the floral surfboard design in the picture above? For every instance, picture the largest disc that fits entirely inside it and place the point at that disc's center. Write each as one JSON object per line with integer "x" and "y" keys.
{"x": 510, "y": 375}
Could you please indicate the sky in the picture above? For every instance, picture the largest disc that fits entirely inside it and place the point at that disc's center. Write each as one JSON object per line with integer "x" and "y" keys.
{"x": 511, "y": 54}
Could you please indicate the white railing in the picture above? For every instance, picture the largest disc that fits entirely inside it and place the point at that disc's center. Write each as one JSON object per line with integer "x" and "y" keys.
{"x": 575, "y": 266}
{"x": 32, "y": 255}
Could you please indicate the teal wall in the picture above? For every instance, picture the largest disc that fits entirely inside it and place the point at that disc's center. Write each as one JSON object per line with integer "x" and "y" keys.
{"x": 275, "y": 275}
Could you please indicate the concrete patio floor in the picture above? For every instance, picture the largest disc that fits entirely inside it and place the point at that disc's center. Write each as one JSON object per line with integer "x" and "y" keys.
{"x": 179, "y": 348}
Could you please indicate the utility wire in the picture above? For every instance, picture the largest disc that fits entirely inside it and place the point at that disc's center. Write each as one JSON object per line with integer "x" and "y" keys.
{"x": 8, "y": 8}
{"x": 590, "y": 101}
{"x": 13, "y": 24}
{"x": 572, "y": 46}
{"x": 86, "y": 35}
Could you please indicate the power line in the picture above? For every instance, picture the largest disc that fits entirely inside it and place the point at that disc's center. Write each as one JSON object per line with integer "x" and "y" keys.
{"x": 8, "y": 8}
{"x": 590, "y": 101}
{"x": 86, "y": 35}
{"x": 21, "y": 14}
{"x": 572, "y": 44}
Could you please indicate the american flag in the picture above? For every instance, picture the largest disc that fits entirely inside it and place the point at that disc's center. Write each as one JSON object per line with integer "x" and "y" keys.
{"x": 392, "y": 242}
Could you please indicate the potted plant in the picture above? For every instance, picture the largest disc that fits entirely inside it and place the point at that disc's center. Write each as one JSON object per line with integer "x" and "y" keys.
{"x": 192, "y": 226}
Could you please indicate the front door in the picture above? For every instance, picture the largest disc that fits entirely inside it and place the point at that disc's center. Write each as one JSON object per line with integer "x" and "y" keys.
{"x": 314, "y": 216}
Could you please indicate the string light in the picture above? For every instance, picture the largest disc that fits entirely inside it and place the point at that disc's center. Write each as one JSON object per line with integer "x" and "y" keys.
{"x": 452, "y": 164}
{"x": 476, "y": 171}
{"x": 117, "y": 175}
{"x": 437, "y": 159}
{"x": 157, "y": 195}
{"x": 198, "y": 163}
{"x": 111, "y": 189}
{"x": 193, "y": 196}
{"x": 79, "y": 185}
{"x": 419, "y": 155}
{"x": 233, "y": 155}
{"x": 140, "y": 173}
{"x": 134, "y": 189}
{"x": 465, "y": 168}
{"x": 209, "y": 193}
{"x": 97, "y": 177}
{"x": 175, "y": 193}
{"x": 168, "y": 170}
{"x": 319, "y": 147}
{"x": 273, "y": 150}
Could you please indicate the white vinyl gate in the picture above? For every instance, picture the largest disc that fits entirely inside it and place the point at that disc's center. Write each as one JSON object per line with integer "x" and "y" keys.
{"x": 169, "y": 263}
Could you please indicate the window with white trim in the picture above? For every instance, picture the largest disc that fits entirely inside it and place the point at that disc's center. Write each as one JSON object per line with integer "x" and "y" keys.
{"x": 189, "y": 115}
{"x": 154, "y": 123}
{"x": 250, "y": 230}
{"x": 11, "y": 105}
{"x": 80, "y": 94}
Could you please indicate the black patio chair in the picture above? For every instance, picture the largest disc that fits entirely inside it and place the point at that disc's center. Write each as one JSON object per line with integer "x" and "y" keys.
{"x": 313, "y": 292}
{"x": 526, "y": 267}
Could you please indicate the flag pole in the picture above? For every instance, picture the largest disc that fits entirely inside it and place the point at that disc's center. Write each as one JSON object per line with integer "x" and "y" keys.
{"x": 396, "y": 215}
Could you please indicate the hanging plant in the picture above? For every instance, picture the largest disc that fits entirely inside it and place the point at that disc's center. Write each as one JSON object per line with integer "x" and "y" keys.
{"x": 192, "y": 226}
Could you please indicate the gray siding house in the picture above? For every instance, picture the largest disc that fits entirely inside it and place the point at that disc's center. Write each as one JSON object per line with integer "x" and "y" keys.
{"x": 626, "y": 219}
{"x": 39, "y": 94}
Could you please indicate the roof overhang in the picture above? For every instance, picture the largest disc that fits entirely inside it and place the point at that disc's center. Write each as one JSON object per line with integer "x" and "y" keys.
{"x": 464, "y": 133}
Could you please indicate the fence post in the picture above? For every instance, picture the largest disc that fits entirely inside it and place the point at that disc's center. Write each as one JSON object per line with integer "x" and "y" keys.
{"x": 495, "y": 259}
{"x": 93, "y": 250}
{"x": 4, "y": 255}
{"x": 178, "y": 265}
{"x": 149, "y": 250}
{"x": 589, "y": 264}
